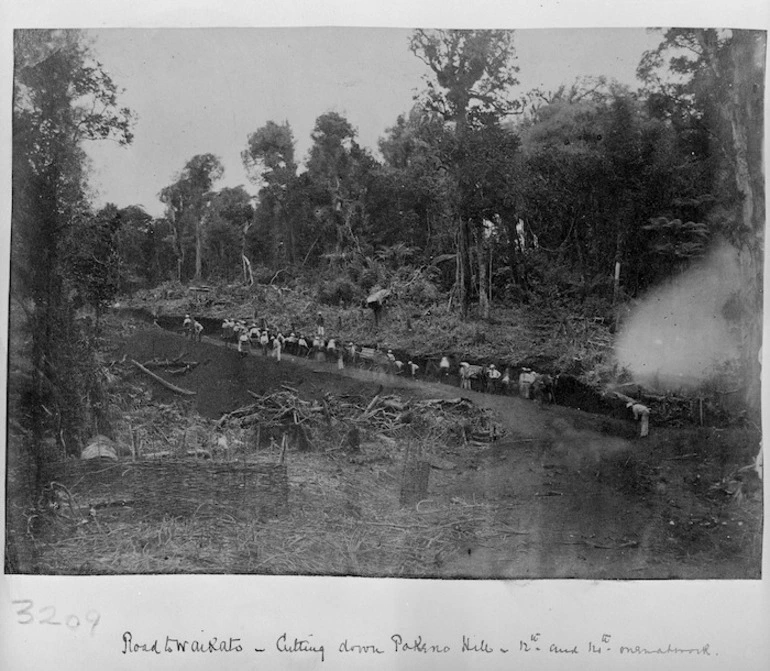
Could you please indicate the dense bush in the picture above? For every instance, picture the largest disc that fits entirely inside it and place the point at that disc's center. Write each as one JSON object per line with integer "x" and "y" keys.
{"x": 419, "y": 291}
{"x": 337, "y": 292}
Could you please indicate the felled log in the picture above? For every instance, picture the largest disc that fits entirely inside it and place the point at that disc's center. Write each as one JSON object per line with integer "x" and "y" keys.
{"x": 441, "y": 464}
{"x": 199, "y": 453}
{"x": 167, "y": 385}
{"x": 157, "y": 455}
{"x": 100, "y": 447}
{"x": 166, "y": 363}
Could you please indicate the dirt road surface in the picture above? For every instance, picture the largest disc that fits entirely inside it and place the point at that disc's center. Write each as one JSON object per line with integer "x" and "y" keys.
{"x": 570, "y": 494}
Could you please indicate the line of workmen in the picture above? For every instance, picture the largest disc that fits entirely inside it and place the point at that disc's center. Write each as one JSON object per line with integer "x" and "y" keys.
{"x": 531, "y": 385}
{"x": 251, "y": 336}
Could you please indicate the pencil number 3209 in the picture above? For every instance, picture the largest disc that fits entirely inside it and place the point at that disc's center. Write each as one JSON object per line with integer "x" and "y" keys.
{"x": 26, "y": 613}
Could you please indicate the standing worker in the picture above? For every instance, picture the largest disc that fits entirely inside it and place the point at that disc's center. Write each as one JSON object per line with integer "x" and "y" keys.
{"x": 506, "y": 381}
{"x": 243, "y": 337}
{"x": 254, "y": 334}
{"x": 443, "y": 367}
{"x": 187, "y": 325}
{"x": 316, "y": 347}
{"x": 465, "y": 375}
{"x": 391, "y": 360}
{"x": 302, "y": 346}
{"x": 526, "y": 378}
{"x": 331, "y": 349}
{"x": 277, "y": 346}
{"x": 291, "y": 343}
{"x": 264, "y": 340}
{"x": 226, "y": 331}
{"x": 493, "y": 377}
{"x": 321, "y": 331}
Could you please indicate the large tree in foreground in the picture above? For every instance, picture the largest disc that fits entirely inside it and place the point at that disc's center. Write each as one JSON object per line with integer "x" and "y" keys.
{"x": 61, "y": 98}
{"x": 717, "y": 77}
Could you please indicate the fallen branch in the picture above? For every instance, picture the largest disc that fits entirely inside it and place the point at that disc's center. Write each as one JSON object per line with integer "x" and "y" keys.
{"x": 365, "y": 414}
{"x": 509, "y": 530}
{"x": 157, "y": 455}
{"x": 399, "y": 526}
{"x": 168, "y": 385}
{"x": 162, "y": 435}
{"x": 599, "y": 546}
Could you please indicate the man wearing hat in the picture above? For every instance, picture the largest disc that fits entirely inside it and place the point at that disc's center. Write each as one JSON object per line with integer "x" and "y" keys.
{"x": 187, "y": 325}
{"x": 443, "y": 367}
{"x": 391, "y": 360}
{"x": 291, "y": 343}
{"x": 302, "y": 346}
{"x": 465, "y": 375}
{"x": 493, "y": 377}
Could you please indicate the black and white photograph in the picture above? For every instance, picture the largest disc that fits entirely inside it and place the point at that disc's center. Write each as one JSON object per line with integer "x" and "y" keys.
{"x": 385, "y": 302}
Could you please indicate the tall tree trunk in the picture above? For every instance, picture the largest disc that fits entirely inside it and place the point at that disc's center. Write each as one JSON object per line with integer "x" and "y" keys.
{"x": 464, "y": 265}
{"x": 198, "y": 247}
{"x": 291, "y": 238}
{"x": 743, "y": 116}
{"x": 459, "y": 288}
{"x": 618, "y": 263}
{"x": 483, "y": 289}
{"x": 248, "y": 277}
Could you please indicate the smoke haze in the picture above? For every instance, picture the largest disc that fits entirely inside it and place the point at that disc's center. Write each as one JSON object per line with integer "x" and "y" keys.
{"x": 683, "y": 331}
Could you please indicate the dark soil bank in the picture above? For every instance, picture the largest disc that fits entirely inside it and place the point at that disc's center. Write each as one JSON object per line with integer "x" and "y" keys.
{"x": 568, "y": 390}
{"x": 223, "y": 377}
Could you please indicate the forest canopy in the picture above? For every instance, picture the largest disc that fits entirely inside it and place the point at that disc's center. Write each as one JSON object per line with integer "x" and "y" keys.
{"x": 583, "y": 197}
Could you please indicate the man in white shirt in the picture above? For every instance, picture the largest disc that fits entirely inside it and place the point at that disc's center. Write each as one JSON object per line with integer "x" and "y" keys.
{"x": 465, "y": 375}
{"x": 187, "y": 325}
{"x": 641, "y": 412}
{"x": 302, "y": 346}
{"x": 243, "y": 338}
{"x": 493, "y": 377}
{"x": 443, "y": 367}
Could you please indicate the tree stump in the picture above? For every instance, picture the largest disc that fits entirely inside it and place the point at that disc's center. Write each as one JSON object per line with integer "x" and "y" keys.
{"x": 354, "y": 440}
{"x": 414, "y": 478}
